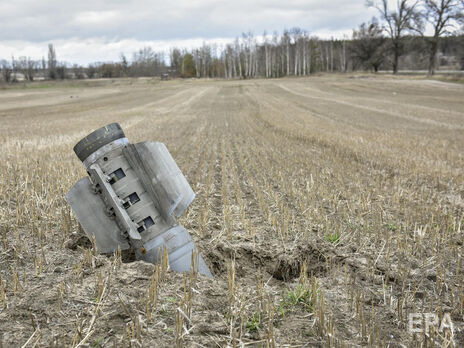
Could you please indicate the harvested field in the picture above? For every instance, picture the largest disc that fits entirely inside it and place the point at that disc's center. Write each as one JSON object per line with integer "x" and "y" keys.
{"x": 328, "y": 208}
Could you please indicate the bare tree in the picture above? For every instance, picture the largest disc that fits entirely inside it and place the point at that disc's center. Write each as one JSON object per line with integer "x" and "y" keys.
{"x": 6, "y": 70}
{"x": 21, "y": 66}
{"x": 14, "y": 69}
{"x": 286, "y": 41}
{"x": 61, "y": 72}
{"x": 124, "y": 65}
{"x": 311, "y": 51}
{"x": 275, "y": 56}
{"x": 91, "y": 70}
{"x": 27, "y": 67}
{"x": 343, "y": 55}
{"x": 405, "y": 18}
{"x": 238, "y": 59}
{"x": 368, "y": 46}
{"x": 296, "y": 33}
{"x": 267, "y": 55}
{"x": 43, "y": 67}
{"x": 78, "y": 72}
{"x": 52, "y": 74}
{"x": 31, "y": 68}
{"x": 441, "y": 14}
{"x": 293, "y": 52}
{"x": 146, "y": 62}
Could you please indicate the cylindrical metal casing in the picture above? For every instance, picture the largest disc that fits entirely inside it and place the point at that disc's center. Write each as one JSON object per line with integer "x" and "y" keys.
{"x": 97, "y": 139}
{"x": 156, "y": 232}
{"x": 129, "y": 189}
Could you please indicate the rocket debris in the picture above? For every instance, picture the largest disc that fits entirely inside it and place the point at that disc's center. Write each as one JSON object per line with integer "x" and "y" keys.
{"x": 132, "y": 199}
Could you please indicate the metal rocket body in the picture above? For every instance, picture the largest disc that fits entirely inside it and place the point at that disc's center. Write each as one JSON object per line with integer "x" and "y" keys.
{"x": 132, "y": 197}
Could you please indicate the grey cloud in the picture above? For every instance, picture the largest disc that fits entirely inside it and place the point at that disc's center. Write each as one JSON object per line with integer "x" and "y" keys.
{"x": 90, "y": 30}
{"x": 37, "y": 21}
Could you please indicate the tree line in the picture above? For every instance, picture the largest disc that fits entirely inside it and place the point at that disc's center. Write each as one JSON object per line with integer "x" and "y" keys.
{"x": 397, "y": 38}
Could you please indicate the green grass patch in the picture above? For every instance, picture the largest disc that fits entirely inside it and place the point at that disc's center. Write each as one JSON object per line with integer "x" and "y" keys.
{"x": 254, "y": 323}
{"x": 333, "y": 237}
{"x": 301, "y": 297}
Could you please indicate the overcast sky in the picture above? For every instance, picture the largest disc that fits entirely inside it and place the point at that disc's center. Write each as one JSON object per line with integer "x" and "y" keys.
{"x": 85, "y": 31}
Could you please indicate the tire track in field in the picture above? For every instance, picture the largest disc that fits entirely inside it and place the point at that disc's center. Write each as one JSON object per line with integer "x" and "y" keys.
{"x": 163, "y": 113}
{"x": 406, "y": 93}
{"x": 361, "y": 146}
{"x": 336, "y": 100}
{"x": 338, "y": 155}
{"x": 112, "y": 113}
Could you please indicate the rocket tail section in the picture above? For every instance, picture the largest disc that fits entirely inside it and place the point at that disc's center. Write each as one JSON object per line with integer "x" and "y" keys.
{"x": 90, "y": 212}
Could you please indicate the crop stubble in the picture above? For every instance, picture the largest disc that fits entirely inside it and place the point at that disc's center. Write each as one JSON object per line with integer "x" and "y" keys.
{"x": 344, "y": 192}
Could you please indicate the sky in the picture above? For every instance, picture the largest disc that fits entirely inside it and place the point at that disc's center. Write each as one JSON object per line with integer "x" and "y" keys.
{"x": 86, "y": 31}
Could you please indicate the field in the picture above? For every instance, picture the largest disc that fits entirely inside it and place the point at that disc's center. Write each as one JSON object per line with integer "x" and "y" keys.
{"x": 329, "y": 209}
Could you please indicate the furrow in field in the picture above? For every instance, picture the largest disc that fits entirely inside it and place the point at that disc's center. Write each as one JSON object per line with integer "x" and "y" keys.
{"x": 402, "y": 93}
{"x": 370, "y": 204}
{"x": 363, "y": 143}
{"x": 389, "y": 109}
